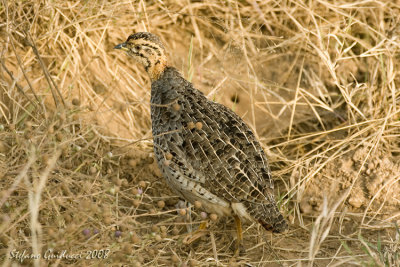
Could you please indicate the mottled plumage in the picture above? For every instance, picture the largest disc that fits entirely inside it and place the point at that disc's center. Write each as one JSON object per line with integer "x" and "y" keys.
{"x": 219, "y": 164}
{"x": 205, "y": 151}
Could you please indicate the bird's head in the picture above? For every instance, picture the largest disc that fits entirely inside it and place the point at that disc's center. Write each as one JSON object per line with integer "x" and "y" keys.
{"x": 147, "y": 49}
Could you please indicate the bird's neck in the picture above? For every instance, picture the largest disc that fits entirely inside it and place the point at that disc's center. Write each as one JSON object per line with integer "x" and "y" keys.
{"x": 156, "y": 67}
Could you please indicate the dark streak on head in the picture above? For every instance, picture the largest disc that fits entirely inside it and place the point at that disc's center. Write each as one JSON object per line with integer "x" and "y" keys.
{"x": 154, "y": 48}
{"x": 146, "y": 36}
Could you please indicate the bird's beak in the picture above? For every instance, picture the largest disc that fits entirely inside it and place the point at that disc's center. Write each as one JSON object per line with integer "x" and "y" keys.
{"x": 121, "y": 46}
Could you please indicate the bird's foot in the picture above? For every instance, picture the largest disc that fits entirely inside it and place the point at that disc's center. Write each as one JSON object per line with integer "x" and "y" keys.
{"x": 191, "y": 237}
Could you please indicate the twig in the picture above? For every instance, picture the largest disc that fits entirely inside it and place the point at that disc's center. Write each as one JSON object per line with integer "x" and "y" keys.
{"x": 17, "y": 180}
{"x": 23, "y": 71}
{"x": 53, "y": 86}
{"x": 16, "y": 83}
{"x": 34, "y": 196}
{"x": 214, "y": 246}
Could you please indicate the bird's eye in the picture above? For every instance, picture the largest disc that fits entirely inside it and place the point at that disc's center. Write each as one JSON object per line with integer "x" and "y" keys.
{"x": 137, "y": 47}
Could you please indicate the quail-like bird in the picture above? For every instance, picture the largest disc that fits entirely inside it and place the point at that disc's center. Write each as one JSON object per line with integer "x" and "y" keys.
{"x": 205, "y": 151}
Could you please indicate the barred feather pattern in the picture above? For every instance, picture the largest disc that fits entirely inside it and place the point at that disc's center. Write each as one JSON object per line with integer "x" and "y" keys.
{"x": 207, "y": 153}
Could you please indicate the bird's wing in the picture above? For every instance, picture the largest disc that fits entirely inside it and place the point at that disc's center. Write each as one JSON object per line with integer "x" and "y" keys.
{"x": 209, "y": 143}
{"x": 224, "y": 149}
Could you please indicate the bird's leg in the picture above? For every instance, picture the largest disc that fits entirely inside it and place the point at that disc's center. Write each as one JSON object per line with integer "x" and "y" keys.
{"x": 190, "y": 238}
{"x": 239, "y": 248}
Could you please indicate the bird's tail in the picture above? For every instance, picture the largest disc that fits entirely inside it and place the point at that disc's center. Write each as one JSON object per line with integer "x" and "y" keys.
{"x": 268, "y": 216}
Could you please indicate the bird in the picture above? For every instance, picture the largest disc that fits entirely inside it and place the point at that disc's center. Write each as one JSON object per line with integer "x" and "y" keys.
{"x": 205, "y": 151}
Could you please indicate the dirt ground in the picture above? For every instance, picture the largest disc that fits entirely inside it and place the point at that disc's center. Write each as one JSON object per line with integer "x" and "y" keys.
{"x": 317, "y": 81}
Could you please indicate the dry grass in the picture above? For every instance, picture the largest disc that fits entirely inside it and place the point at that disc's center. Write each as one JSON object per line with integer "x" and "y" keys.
{"x": 317, "y": 80}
